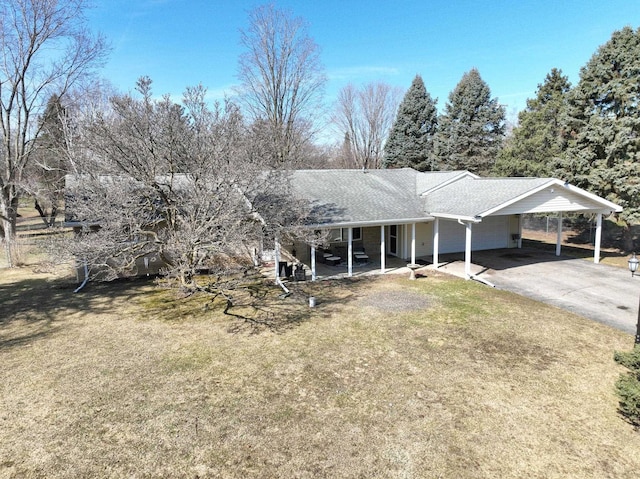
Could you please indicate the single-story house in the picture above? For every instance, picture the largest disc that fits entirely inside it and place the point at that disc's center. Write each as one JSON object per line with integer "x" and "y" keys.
{"x": 411, "y": 214}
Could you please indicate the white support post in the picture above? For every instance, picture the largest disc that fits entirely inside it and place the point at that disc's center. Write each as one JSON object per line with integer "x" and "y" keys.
{"x": 596, "y": 253}
{"x": 350, "y": 253}
{"x": 413, "y": 243}
{"x": 383, "y": 250}
{"x": 559, "y": 235}
{"x": 436, "y": 242}
{"x": 313, "y": 263}
{"x": 277, "y": 259}
{"x": 467, "y": 251}
{"x": 519, "y": 231}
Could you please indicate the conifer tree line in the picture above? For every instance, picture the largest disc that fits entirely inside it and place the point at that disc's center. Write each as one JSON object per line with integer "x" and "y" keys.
{"x": 587, "y": 134}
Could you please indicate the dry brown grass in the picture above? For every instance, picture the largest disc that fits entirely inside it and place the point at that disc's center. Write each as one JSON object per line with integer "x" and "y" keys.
{"x": 385, "y": 378}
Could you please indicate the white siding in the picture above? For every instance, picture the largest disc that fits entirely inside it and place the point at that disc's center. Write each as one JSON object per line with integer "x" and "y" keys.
{"x": 552, "y": 199}
{"x": 424, "y": 239}
{"x": 451, "y": 237}
{"x": 491, "y": 233}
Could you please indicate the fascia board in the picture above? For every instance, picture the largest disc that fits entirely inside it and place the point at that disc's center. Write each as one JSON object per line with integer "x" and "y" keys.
{"x": 520, "y": 197}
{"x": 364, "y": 224}
{"x": 448, "y": 216}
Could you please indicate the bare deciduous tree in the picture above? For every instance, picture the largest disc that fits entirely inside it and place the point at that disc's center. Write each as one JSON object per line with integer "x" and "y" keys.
{"x": 45, "y": 50}
{"x": 177, "y": 183}
{"x": 365, "y": 117}
{"x": 282, "y": 79}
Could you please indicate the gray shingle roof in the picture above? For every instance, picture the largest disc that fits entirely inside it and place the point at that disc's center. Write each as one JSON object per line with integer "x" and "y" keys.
{"x": 360, "y": 197}
{"x": 471, "y": 197}
{"x": 433, "y": 179}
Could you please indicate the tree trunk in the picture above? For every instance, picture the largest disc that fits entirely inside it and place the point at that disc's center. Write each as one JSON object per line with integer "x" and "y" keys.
{"x": 49, "y": 218}
{"x": 8, "y": 215}
{"x": 627, "y": 238}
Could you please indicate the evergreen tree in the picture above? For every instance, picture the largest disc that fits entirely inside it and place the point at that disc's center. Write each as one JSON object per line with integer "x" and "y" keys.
{"x": 471, "y": 130}
{"x": 603, "y": 127}
{"x": 410, "y": 142}
{"x": 44, "y": 176}
{"x": 537, "y": 141}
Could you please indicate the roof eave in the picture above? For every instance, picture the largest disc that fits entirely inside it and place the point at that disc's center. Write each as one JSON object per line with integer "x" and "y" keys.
{"x": 453, "y": 216}
{"x": 364, "y": 224}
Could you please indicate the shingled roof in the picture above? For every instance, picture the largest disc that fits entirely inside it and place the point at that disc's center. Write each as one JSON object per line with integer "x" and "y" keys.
{"x": 396, "y": 196}
{"x": 361, "y": 197}
{"x": 471, "y": 197}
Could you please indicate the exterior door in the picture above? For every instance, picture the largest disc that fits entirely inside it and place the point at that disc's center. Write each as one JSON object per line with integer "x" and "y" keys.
{"x": 393, "y": 240}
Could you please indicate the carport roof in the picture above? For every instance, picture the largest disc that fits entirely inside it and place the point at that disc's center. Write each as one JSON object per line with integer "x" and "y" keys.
{"x": 471, "y": 197}
{"x": 480, "y": 197}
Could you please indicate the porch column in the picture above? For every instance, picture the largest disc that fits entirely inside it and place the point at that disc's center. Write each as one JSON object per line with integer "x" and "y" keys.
{"x": 467, "y": 251}
{"x": 383, "y": 250}
{"x": 277, "y": 258}
{"x": 559, "y": 235}
{"x": 520, "y": 231}
{"x": 596, "y": 254}
{"x": 436, "y": 241}
{"x": 350, "y": 252}
{"x": 313, "y": 263}
{"x": 413, "y": 243}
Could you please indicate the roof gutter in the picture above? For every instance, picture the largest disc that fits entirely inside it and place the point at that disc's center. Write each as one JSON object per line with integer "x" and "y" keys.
{"x": 359, "y": 224}
{"x": 458, "y": 218}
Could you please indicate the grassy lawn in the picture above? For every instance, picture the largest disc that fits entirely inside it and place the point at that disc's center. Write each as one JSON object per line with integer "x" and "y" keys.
{"x": 386, "y": 377}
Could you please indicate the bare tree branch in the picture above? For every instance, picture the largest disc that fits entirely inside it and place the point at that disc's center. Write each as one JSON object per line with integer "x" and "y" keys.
{"x": 365, "y": 117}
{"x": 282, "y": 79}
{"x": 45, "y": 50}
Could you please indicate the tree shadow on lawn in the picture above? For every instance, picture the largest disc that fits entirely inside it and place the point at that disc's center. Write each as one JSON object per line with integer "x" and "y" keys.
{"x": 33, "y": 308}
{"x": 277, "y": 311}
{"x": 257, "y": 305}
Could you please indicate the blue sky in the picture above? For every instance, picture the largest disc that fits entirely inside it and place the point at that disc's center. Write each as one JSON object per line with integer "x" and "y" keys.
{"x": 514, "y": 44}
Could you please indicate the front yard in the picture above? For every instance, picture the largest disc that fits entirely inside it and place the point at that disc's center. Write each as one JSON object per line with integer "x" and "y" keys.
{"x": 386, "y": 377}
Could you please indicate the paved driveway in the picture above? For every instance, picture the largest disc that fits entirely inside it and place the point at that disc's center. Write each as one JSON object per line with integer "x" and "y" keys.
{"x": 603, "y": 293}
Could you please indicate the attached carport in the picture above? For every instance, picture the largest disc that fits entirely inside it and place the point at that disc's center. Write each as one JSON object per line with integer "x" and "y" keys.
{"x": 471, "y": 201}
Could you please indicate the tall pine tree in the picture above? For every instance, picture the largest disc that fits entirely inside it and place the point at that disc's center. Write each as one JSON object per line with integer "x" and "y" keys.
{"x": 603, "y": 127}
{"x": 537, "y": 141}
{"x": 410, "y": 142}
{"x": 471, "y": 130}
{"x": 44, "y": 176}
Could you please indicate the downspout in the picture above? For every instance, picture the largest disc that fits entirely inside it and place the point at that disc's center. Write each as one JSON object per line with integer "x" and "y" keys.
{"x": 284, "y": 288}
{"x": 482, "y": 280}
{"x": 86, "y": 278}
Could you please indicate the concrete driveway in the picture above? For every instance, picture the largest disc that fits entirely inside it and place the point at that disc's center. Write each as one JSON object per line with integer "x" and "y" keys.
{"x": 603, "y": 293}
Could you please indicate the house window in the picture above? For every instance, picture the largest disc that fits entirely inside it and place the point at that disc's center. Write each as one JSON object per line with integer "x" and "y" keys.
{"x": 341, "y": 235}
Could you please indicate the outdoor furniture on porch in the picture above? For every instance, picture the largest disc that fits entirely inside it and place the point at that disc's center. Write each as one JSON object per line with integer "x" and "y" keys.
{"x": 359, "y": 255}
{"x": 360, "y": 258}
{"x": 323, "y": 254}
{"x": 333, "y": 260}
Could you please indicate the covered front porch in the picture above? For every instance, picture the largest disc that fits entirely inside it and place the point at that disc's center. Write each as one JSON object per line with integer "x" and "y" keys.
{"x": 358, "y": 250}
